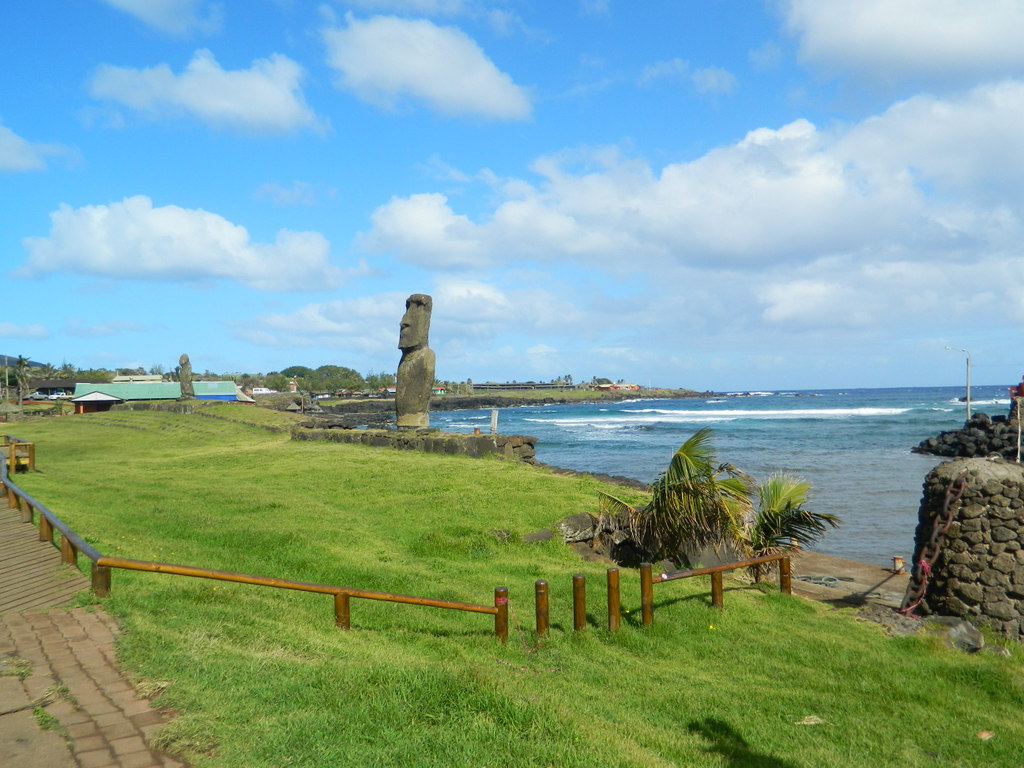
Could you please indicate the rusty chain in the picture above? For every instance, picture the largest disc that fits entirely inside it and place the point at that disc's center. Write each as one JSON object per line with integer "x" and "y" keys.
{"x": 918, "y": 585}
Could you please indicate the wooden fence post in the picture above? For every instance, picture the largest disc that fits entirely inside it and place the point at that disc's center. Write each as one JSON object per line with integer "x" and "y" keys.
{"x": 541, "y": 599}
{"x": 100, "y": 579}
{"x": 501, "y": 617}
{"x": 614, "y": 603}
{"x": 342, "y": 611}
{"x": 68, "y": 553}
{"x": 579, "y": 602}
{"x": 717, "y": 596}
{"x": 26, "y": 510}
{"x": 646, "y": 594}
{"x": 45, "y": 528}
{"x": 785, "y": 576}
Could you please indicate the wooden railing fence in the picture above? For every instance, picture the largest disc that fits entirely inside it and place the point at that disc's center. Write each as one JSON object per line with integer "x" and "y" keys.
{"x": 647, "y": 582}
{"x": 71, "y": 544}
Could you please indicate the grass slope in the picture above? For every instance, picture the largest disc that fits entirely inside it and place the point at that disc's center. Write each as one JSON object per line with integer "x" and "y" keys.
{"x": 261, "y": 677}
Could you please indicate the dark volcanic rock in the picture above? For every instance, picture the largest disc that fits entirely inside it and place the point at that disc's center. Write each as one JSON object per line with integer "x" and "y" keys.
{"x": 981, "y": 436}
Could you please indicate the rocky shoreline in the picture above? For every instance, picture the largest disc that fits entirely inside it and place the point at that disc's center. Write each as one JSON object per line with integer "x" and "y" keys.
{"x": 478, "y": 402}
{"x": 981, "y": 436}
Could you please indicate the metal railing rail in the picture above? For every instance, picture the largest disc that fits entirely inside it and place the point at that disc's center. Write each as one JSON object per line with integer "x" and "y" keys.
{"x": 72, "y": 544}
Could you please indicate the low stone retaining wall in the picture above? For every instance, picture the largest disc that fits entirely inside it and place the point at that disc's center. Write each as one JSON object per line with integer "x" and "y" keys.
{"x": 979, "y": 572}
{"x": 515, "y": 447}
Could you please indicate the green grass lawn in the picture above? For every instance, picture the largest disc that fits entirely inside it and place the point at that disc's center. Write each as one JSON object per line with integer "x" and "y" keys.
{"x": 261, "y": 677}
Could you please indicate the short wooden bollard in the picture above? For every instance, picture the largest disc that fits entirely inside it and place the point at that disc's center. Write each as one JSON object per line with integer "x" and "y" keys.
{"x": 26, "y": 510}
{"x": 785, "y": 576}
{"x": 579, "y": 602}
{"x": 501, "y": 613}
{"x": 68, "y": 553}
{"x": 100, "y": 580}
{"x": 541, "y": 600}
{"x": 342, "y": 611}
{"x": 614, "y": 603}
{"x": 45, "y": 528}
{"x": 717, "y": 591}
{"x": 646, "y": 594}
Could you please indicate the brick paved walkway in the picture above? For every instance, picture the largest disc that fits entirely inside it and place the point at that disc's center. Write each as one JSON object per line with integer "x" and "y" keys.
{"x": 67, "y": 657}
{"x": 60, "y": 663}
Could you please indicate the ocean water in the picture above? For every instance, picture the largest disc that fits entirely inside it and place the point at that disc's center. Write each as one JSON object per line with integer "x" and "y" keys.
{"x": 852, "y": 446}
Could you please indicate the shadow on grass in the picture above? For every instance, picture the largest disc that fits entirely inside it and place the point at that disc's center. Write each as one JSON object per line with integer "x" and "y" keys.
{"x": 725, "y": 741}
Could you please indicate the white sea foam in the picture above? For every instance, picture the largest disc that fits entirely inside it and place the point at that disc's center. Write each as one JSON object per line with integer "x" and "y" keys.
{"x": 660, "y": 415}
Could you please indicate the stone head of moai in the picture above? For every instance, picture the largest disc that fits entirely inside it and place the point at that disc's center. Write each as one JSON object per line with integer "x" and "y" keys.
{"x": 415, "y": 326}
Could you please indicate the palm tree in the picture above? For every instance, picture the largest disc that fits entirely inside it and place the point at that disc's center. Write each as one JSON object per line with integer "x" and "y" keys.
{"x": 21, "y": 376}
{"x": 46, "y": 371}
{"x": 694, "y": 505}
{"x": 782, "y": 524}
{"x": 699, "y": 504}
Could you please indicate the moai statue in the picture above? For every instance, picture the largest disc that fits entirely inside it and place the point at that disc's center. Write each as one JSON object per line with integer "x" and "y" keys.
{"x": 415, "y": 376}
{"x": 185, "y": 378}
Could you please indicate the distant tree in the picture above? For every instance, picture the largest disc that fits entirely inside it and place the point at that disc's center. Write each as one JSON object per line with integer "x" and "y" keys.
{"x": 67, "y": 370}
{"x": 96, "y": 374}
{"x": 276, "y": 381}
{"x": 22, "y": 373}
{"x": 45, "y": 371}
{"x": 297, "y": 371}
{"x": 379, "y": 380}
{"x": 156, "y": 370}
{"x": 335, "y": 378}
{"x": 602, "y": 381}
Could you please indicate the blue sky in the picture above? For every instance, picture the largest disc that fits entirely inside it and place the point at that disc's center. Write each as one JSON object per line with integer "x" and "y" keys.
{"x": 719, "y": 195}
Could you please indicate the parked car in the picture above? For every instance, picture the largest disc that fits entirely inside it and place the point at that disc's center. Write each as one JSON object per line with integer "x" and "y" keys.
{"x": 57, "y": 396}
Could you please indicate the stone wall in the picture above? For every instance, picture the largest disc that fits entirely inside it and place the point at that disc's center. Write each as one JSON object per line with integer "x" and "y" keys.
{"x": 979, "y": 571}
{"x": 516, "y": 447}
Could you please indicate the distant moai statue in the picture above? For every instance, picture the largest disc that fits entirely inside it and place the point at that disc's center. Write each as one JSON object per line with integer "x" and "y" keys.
{"x": 415, "y": 376}
{"x": 185, "y": 378}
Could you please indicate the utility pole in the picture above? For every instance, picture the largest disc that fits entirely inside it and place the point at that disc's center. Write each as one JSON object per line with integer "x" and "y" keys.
{"x": 968, "y": 398}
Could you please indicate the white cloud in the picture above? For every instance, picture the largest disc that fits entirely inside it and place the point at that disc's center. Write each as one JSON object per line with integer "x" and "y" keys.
{"x": 426, "y": 231}
{"x": 299, "y": 193}
{"x": 132, "y": 239}
{"x": 595, "y": 7}
{"x": 266, "y": 98}
{"x": 928, "y": 176}
{"x": 888, "y": 39}
{"x": 18, "y": 154}
{"x": 705, "y": 80}
{"x": 672, "y": 69}
{"x": 176, "y": 17}
{"x": 417, "y": 7}
{"x": 714, "y": 80}
{"x": 386, "y": 59}
{"x": 468, "y": 317}
{"x": 76, "y": 327}
{"x": 10, "y": 330}
{"x": 908, "y": 218}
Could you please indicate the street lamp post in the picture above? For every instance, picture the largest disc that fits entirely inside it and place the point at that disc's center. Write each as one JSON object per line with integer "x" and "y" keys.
{"x": 968, "y": 354}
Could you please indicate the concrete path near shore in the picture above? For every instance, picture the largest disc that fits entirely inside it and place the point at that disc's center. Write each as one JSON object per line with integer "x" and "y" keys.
{"x": 836, "y": 579}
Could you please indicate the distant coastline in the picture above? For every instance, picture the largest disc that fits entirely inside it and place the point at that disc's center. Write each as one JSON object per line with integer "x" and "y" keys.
{"x": 520, "y": 399}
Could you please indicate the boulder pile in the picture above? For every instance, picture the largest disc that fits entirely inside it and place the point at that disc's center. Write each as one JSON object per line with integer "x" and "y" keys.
{"x": 981, "y": 436}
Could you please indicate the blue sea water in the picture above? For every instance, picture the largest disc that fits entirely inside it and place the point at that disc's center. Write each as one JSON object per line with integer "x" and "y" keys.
{"x": 853, "y": 446}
